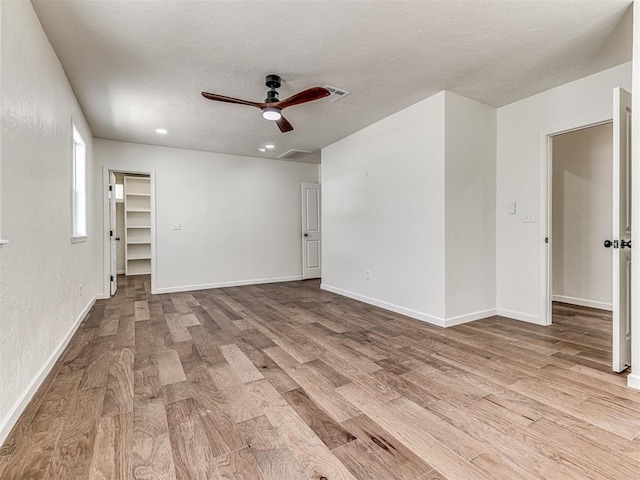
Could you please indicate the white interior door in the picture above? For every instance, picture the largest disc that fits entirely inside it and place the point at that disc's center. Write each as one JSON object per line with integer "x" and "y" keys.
{"x": 113, "y": 234}
{"x": 311, "y": 248}
{"x": 621, "y": 229}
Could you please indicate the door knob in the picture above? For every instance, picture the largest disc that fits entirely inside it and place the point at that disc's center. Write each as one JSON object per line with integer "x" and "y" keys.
{"x": 607, "y": 243}
{"x": 625, "y": 244}
{"x": 117, "y": 239}
{"x": 306, "y": 234}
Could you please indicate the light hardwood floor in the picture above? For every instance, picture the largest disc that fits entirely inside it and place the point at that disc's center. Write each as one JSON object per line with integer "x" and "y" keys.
{"x": 286, "y": 381}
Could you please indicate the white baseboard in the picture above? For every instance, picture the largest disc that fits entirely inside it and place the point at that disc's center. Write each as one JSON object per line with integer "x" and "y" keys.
{"x": 470, "y": 317}
{"x": 633, "y": 381}
{"x": 524, "y": 317}
{"x": 238, "y": 283}
{"x": 10, "y": 419}
{"x": 583, "y": 302}
{"x": 425, "y": 317}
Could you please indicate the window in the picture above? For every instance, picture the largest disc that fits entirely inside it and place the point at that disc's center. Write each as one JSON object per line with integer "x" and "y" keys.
{"x": 79, "y": 187}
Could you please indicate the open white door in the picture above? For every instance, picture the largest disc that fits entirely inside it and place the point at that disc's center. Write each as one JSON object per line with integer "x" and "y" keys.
{"x": 113, "y": 234}
{"x": 311, "y": 230}
{"x": 621, "y": 229}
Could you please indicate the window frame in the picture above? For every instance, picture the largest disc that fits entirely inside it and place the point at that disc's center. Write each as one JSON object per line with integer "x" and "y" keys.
{"x": 78, "y": 195}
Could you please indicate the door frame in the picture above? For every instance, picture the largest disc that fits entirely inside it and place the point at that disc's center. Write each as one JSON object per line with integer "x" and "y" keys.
{"x": 545, "y": 276}
{"x": 106, "y": 250}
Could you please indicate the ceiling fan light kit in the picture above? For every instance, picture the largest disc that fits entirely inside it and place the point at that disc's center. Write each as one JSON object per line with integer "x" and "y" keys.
{"x": 272, "y": 106}
{"x": 271, "y": 113}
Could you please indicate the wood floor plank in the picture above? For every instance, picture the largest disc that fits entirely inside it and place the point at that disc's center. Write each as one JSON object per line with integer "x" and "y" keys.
{"x": 169, "y": 367}
{"x": 153, "y": 458}
{"x": 101, "y": 359}
{"x": 241, "y": 365}
{"x": 329, "y": 431}
{"x": 271, "y": 452}
{"x": 362, "y": 463}
{"x": 419, "y": 441}
{"x": 322, "y": 392}
{"x": 289, "y": 382}
{"x": 149, "y": 420}
{"x": 112, "y": 451}
{"x": 238, "y": 464}
{"x": 240, "y": 404}
{"x": 74, "y": 451}
{"x": 119, "y": 391}
{"x": 142, "y": 310}
{"x": 192, "y": 454}
{"x": 34, "y": 448}
{"x": 179, "y": 333}
{"x": 311, "y": 453}
{"x": 217, "y": 422}
{"x": 391, "y": 451}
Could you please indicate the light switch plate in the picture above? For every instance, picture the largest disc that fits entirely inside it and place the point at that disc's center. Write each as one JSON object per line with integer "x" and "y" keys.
{"x": 512, "y": 208}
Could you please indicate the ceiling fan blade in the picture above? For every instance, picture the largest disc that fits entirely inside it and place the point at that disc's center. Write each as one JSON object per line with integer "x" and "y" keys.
{"x": 309, "y": 95}
{"x": 284, "y": 125}
{"x": 222, "y": 98}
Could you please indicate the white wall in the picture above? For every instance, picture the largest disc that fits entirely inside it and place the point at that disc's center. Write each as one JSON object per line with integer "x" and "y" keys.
{"x": 521, "y": 130}
{"x": 411, "y": 200}
{"x": 582, "y": 203}
{"x": 240, "y": 216}
{"x": 41, "y": 271}
{"x": 470, "y": 203}
{"x": 383, "y": 211}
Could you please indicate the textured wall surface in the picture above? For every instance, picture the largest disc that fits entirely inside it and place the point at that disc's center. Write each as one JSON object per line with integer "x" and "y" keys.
{"x": 45, "y": 281}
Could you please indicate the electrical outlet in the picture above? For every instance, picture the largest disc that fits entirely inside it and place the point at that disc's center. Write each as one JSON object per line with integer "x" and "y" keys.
{"x": 177, "y": 226}
{"x": 530, "y": 217}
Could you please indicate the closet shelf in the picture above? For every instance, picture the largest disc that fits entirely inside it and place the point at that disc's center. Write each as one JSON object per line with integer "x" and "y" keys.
{"x": 137, "y": 207}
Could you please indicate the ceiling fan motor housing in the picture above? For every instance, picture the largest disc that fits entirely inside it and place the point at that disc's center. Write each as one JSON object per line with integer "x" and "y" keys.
{"x": 272, "y": 97}
{"x": 273, "y": 81}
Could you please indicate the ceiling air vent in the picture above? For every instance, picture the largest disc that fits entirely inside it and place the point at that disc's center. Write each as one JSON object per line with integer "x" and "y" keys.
{"x": 294, "y": 154}
{"x": 336, "y": 93}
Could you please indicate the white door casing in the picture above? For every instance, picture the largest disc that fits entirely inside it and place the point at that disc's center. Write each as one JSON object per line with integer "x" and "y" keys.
{"x": 113, "y": 234}
{"x": 311, "y": 246}
{"x": 621, "y": 229}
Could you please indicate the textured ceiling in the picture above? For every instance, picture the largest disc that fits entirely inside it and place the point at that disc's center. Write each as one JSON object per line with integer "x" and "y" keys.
{"x": 137, "y": 65}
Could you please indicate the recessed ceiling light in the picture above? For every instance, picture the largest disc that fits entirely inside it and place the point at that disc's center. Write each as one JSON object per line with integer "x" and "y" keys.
{"x": 262, "y": 149}
{"x": 161, "y": 131}
{"x": 270, "y": 147}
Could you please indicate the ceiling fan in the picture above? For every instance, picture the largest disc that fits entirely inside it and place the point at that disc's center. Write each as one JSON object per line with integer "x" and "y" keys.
{"x": 272, "y": 107}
